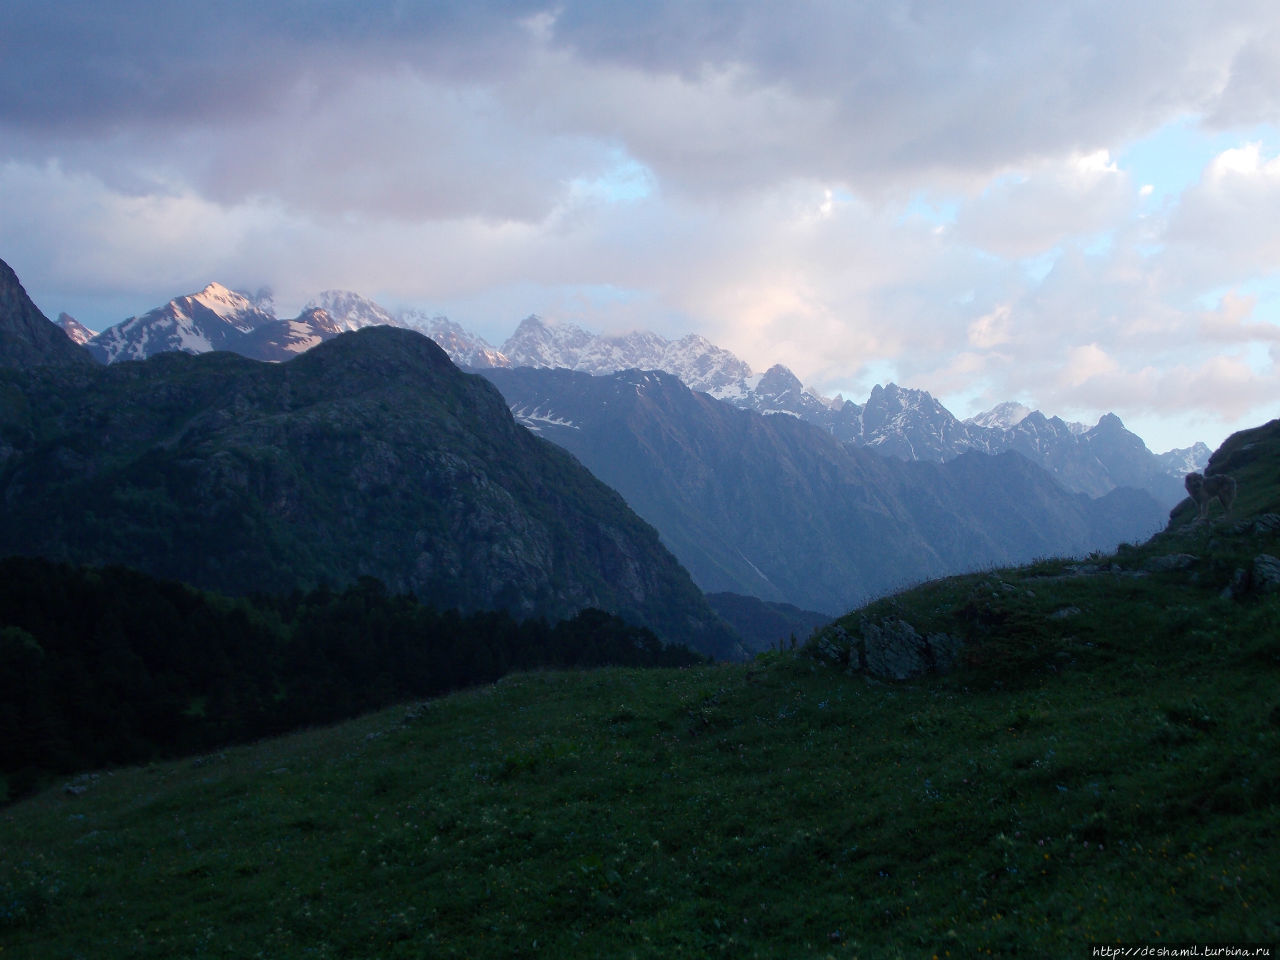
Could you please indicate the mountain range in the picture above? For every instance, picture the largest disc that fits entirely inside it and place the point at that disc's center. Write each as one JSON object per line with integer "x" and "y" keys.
{"x": 895, "y": 421}
{"x": 903, "y": 423}
{"x": 777, "y": 508}
{"x": 369, "y": 455}
{"x": 757, "y": 485}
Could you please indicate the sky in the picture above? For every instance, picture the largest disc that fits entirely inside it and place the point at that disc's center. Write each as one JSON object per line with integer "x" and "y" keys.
{"x": 1074, "y": 205}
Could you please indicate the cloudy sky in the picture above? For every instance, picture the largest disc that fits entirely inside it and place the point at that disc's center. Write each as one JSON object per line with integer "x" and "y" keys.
{"x": 1073, "y": 204}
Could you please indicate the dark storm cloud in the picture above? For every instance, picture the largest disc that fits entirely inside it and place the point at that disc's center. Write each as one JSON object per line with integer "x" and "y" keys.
{"x": 874, "y": 91}
{"x": 89, "y": 66}
{"x": 934, "y": 87}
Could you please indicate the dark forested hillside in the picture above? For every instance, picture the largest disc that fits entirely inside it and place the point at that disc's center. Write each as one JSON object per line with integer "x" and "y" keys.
{"x": 369, "y": 455}
{"x": 764, "y": 624}
{"x": 106, "y": 666}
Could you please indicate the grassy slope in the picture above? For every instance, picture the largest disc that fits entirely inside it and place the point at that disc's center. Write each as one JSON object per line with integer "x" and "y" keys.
{"x": 1110, "y": 774}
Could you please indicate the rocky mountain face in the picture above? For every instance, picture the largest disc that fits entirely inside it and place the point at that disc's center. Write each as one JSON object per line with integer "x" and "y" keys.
{"x": 1003, "y": 416}
{"x": 777, "y": 508}
{"x": 279, "y": 340}
{"x": 370, "y": 454}
{"x": 27, "y": 337}
{"x": 217, "y": 319}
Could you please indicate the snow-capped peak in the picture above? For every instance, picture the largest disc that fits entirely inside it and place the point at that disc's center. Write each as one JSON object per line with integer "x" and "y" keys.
{"x": 464, "y": 348}
{"x": 76, "y": 331}
{"x": 1002, "y": 416}
{"x": 227, "y": 304}
{"x": 350, "y": 311}
{"x": 1183, "y": 460}
{"x": 537, "y": 343}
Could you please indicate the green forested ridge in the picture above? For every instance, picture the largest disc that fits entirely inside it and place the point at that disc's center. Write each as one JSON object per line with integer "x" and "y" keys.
{"x": 1102, "y": 765}
{"x": 109, "y": 666}
{"x": 369, "y": 455}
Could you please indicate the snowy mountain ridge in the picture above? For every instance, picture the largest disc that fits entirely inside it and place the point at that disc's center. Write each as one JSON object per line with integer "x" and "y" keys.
{"x": 197, "y": 323}
{"x": 905, "y": 423}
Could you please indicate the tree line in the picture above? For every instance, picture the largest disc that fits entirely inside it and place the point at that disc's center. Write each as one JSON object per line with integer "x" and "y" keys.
{"x": 103, "y": 666}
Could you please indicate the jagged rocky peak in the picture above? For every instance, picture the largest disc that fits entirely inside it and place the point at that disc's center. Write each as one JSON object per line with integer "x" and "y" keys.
{"x": 704, "y": 366}
{"x": 636, "y": 350}
{"x": 700, "y": 364}
{"x": 1183, "y": 460}
{"x": 902, "y": 397}
{"x": 1108, "y": 423}
{"x": 892, "y": 403}
{"x": 1111, "y": 430}
{"x": 539, "y": 343}
{"x": 779, "y": 381}
{"x": 317, "y": 321}
{"x": 1036, "y": 422}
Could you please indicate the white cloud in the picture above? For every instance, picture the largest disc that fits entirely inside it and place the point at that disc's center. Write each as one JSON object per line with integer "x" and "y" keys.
{"x": 739, "y": 169}
{"x": 1086, "y": 363}
{"x": 1224, "y": 229}
{"x": 1025, "y": 215}
{"x": 992, "y": 329}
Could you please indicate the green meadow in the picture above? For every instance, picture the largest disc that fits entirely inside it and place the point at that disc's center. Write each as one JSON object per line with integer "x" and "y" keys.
{"x": 1101, "y": 766}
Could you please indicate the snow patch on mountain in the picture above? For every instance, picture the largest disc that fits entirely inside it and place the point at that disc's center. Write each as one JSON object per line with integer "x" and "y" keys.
{"x": 535, "y": 419}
